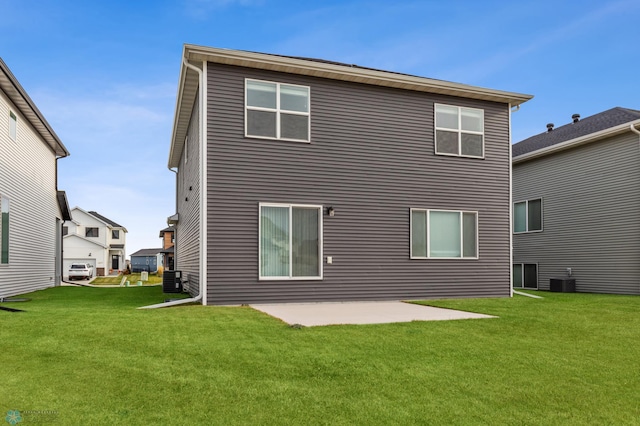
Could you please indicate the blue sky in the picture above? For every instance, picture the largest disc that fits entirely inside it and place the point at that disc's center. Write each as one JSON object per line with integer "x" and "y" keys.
{"x": 105, "y": 73}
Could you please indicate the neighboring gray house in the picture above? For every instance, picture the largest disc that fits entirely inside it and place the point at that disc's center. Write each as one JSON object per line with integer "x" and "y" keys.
{"x": 576, "y": 193}
{"x": 146, "y": 260}
{"x": 321, "y": 181}
{"x": 31, "y": 206}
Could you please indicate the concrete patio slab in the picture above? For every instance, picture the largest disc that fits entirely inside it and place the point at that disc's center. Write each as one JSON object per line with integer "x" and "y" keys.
{"x": 333, "y": 313}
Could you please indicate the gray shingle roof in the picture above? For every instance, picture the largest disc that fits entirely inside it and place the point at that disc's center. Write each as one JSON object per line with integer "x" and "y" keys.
{"x": 104, "y": 219}
{"x": 147, "y": 252}
{"x": 592, "y": 124}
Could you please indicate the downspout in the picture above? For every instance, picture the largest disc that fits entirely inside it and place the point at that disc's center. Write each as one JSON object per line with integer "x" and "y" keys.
{"x": 636, "y": 131}
{"x": 203, "y": 230}
{"x": 511, "y": 110}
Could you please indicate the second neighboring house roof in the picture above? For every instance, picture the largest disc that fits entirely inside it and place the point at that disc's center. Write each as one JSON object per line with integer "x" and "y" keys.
{"x": 589, "y": 125}
{"x": 104, "y": 219}
{"x": 167, "y": 229}
{"x": 147, "y": 252}
{"x": 16, "y": 93}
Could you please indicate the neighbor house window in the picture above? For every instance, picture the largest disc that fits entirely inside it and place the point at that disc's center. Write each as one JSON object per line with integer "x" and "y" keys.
{"x": 65, "y": 230}
{"x": 525, "y": 275}
{"x": 527, "y": 216}
{"x": 115, "y": 234}
{"x": 13, "y": 126}
{"x": 91, "y": 232}
{"x": 459, "y": 131}
{"x": 444, "y": 234}
{"x": 4, "y": 230}
{"x": 290, "y": 241}
{"x": 277, "y": 111}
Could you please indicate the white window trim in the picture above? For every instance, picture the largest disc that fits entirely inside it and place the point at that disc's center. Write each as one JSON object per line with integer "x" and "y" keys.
{"x": 13, "y": 118}
{"x": 458, "y": 130}
{"x": 526, "y": 210}
{"x": 277, "y": 110}
{"x": 186, "y": 149}
{"x": 522, "y": 275}
{"x": 428, "y": 211}
{"x": 320, "y": 243}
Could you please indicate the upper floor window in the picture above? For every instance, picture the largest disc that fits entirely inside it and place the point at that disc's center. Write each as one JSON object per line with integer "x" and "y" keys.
{"x": 115, "y": 234}
{"x": 91, "y": 232}
{"x": 65, "y": 230}
{"x": 444, "y": 234}
{"x": 527, "y": 216}
{"x": 277, "y": 111}
{"x": 13, "y": 126}
{"x": 4, "y": 230}
{"x": 459, "y": 131}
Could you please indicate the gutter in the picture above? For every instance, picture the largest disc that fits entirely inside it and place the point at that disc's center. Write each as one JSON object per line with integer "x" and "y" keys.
{"x": 203, "y": 192}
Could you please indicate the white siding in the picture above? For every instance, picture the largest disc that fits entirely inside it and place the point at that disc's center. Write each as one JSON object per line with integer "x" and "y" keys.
{"x": 27, "y": 178}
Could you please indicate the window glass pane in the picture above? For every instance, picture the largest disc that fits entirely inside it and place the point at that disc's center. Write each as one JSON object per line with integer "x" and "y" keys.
{"x": 530, "y": 276}
{"x": 293, "y": 98}
{"x": 535, "y": 215}
{"x": 4, "y": 230}
{"x": 517, "y": 275}
{"x": 519, "y": 217}
{"x": 471, "y": 145}
{"x": 115, "y": 234}
{"x": 472, "y": 119}
{"x": 261, "y": 94}
{"x": 305, "y": 241}
{"x": 447, "y": 117}
{"x": 444, "y": 238}
{"x": 446, "y": 142}
{"x": 418, "y": 233}
{"x": 12, "y": 125}
{"x": 468, "y": 235}
{"x": 261, "y": 123}
{"x": 294, "y": 126}
{"x": 65, "y": 230}
{"x": 274, "y": 242}
{"x": 91, "y": 232}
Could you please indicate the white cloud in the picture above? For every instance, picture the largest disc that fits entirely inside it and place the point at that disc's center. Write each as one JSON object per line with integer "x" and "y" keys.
{"x": 118, "y": 138}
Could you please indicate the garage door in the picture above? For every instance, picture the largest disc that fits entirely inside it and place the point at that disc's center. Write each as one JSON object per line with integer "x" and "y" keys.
{"x": 67, "y": 262}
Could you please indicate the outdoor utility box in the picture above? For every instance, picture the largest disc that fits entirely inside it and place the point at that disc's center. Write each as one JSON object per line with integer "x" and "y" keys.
{"x": 172, "y": 282}
{"x": 563, "y": 285}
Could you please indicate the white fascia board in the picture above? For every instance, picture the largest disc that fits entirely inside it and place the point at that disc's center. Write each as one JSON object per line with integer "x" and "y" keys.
{"x": 572, "y": 143}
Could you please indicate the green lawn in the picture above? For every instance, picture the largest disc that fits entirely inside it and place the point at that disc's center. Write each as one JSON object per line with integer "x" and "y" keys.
{"x": 90, "y": 357}
{"x": 132, "y": 278}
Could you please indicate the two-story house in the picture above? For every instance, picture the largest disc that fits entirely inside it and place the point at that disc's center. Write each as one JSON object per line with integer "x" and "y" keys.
{"x": 168, "y": 235}
{"x": 32, "y": 208}
{"x": 95, "y": 239}
{"x": 576, "y": 204}
{"x": 309, "y": 180}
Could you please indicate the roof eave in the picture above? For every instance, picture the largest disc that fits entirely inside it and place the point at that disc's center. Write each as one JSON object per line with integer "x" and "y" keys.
{"x": 572, "y": 143}
{"x": 16, "y": 93}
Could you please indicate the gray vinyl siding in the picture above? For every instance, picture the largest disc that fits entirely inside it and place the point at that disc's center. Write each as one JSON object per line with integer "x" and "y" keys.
{"x": 27, "y": 178}
{"x": 591, "y": 221}
{"x": 372, "y": 158}
{"x": 187, "y": 235}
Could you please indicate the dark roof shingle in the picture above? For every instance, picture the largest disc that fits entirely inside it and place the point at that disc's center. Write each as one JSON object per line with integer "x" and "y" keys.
{"x": 592, "y": 124}
{"x": 147, "y": 252}
{"x": 104, "y": 219}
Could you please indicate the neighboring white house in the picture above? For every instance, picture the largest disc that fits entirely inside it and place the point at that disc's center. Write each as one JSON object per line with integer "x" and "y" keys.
{"x": 92, "y": 238}
{"x": 32, "y": 209}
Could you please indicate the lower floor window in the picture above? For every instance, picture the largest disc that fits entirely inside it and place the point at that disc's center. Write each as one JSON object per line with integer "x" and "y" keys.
{"x": 4, "y": 230}
{"x": 525, "y": 275}
{"x": 444, "y": 234}
{"x": 290, "y": 241}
